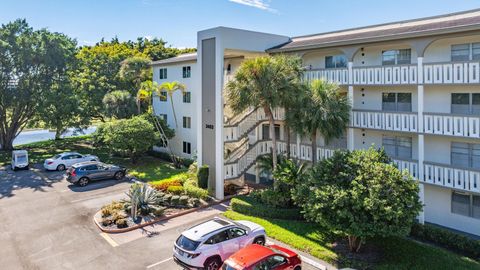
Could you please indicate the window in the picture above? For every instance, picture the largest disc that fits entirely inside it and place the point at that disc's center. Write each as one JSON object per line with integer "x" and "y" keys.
{"x": 187, "y": 148}
{"x": 401, "y": 102}
{"x": 335, "y": 61}
{"x": 236, "y": 232}
{"x": 90, "y": 168}
{"x": 466, "y": 103}
{"x": 465, "y": 52}
{"x": 187, "y": 97}
{"x": 399, "y": 147}
{"x": 266, "y": 132}
{"x": 187, "y": 122}
{"x": 270, "y": 263}
{"x": 186, "y": 72}
{"x": 163, "y": 95}
{"x": 186, "y": 243}
{"x": 163, "y": 73}
{"x": 218, "y": 238}
{"x": 465, "y": 204}
{"x": 396, "y": 57}
{"x": 164, "y": 117}
{"x": 465, "y": 155}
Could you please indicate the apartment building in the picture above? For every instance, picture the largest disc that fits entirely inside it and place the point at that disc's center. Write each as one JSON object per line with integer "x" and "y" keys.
{"x": 415, "y": 90}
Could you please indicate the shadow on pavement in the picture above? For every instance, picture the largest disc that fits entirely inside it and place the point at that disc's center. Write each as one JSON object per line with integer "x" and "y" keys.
{"x": 25, "y": 179}
{"x": 94, "y": 185}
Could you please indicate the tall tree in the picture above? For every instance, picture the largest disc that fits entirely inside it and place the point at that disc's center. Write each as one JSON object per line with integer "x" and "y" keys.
{"x": 324, "y": 109}
{"x": 31, "y": 63}
{"x": 264, "y": 82}
{"x": 171, "y": 88}
{"x": 135, "y": 70}
{"x": 119, "y": 104}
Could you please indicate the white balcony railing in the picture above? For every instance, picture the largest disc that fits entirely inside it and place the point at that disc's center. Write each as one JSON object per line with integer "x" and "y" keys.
{"x": 452, "y": 177}
{"x": 337, "y": 75}
{"x": 240, "y": 129}
{"x": 452, "y": 125}
{"x": 395, "y": 121}
{"x": 380, "y": 75}
{"x": 410, "y": 165}
{"x": 451, "y": 73}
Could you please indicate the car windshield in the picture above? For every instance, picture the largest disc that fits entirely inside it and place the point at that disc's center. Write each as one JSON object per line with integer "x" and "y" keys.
{"x": 187, "y": 244}
{"x": 57, "y": 156}
{"x": 22, "y": 158}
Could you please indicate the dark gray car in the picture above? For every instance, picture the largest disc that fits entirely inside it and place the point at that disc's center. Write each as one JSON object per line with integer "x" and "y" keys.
{"x": 83, "y": 173}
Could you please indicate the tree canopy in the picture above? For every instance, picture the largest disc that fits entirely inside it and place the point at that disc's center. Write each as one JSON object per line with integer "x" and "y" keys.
{"x": 360, "y": 194}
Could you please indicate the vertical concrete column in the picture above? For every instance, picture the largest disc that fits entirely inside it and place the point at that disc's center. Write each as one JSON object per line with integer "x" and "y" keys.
{"x": 421, "y": 136}
{"x": 219, "y": 147}
{"x": 350, "y": 72}
{"x": 421, "y": 215}
{"x": 420, "y": 70}
{"x": 421, "y": 158}
{"x": 257, "y": 174}
{"x": 350, "y": 131}
{"x": 298, "y": 146}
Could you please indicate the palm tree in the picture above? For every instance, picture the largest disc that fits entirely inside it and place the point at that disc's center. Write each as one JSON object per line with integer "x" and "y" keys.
{"x": 145, "y": 93}
{"x": 171, "y": 88}
{"x": 324, "y": 109}
{"x": 262, "y": 82}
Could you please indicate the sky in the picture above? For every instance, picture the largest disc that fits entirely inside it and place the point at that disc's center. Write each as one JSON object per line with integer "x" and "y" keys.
{"x": 178, "y": 21}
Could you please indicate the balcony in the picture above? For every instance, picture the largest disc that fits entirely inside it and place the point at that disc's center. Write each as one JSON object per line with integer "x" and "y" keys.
{"x": 385, "y": 75}
{"x": 385, "y": 120}
{"x": 452, "y": 177}
{"x": 467, "y": 72}
{"x": 452, "y": 125}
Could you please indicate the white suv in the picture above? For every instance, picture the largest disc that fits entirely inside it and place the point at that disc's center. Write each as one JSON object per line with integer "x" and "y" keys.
{"x": 208, "y": 244}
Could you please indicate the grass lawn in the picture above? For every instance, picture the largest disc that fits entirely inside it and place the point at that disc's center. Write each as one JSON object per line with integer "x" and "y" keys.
{"x": 147, "y": 168}
{"x": 397, "y": 253}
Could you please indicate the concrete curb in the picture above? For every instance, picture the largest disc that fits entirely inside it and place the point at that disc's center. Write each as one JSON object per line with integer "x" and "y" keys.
{"x": 153, "y": 221}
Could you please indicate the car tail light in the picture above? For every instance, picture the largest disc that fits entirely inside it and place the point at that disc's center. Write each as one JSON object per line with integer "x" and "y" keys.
{"x": 50, "y": 162}
{"x": 73, "y": 173}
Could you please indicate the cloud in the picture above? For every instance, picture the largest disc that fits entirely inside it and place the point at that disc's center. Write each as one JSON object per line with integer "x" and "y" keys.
{"x": 260, "y": 4}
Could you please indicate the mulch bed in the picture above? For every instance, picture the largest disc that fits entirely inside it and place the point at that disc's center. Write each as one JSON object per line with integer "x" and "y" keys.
{"x": 366, "y": 258}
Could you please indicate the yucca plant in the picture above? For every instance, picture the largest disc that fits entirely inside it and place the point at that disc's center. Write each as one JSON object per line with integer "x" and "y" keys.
{"x": 141, "y": 198}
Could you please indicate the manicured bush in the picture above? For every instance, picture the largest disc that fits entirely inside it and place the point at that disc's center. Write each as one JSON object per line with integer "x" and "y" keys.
{"x": 195, "y": 202}
{"x": 447, "y": 239}
{"x": 122, "y": 223}
{"x": 202, "y": 176}
{"x": 164, "y": 184}
{"x": 158, "y": 211}
{"x": 111, "y": 208}
{"x": 177, "y": 190}
{"x": 195, "y": 192}
{"x": 167, "y": 198}
{"x": 107, "y": 221}
{"x": 117, "y": 215}
{"x": 249, "y": 206}
{"x": 183, "y": 200}
{"x": 175, "y": 200}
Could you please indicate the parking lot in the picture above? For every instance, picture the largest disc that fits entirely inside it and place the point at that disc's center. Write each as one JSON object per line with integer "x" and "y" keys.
{"x": 47, "y": 224}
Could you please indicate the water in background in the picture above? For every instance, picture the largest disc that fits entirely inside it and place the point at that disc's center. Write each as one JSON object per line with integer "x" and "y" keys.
{"x": 45, "y": 135}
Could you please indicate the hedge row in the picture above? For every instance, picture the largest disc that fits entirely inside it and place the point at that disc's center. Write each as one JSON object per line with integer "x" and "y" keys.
{"x": 251, "y": 207}
{"x": 447, "y": 239}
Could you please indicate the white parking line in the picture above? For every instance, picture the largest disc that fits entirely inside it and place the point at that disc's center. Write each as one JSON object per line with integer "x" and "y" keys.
{"x": 109, "y": 239}
{"x": 158, "y": 263}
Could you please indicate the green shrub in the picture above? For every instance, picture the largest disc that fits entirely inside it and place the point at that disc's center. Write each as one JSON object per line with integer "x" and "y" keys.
{"x": 275, "y": 198}
{"x": 177, "y": 190}
{"x": 183, "y": 200}
{"x": 107, "y": 221}
{"x": 447, "y": 239}
{"x": 186, "y": 162}
{"x": 202, "y": 176}
{"x": 111, "y": 208}
{"x": 119, "y": 214}
{"x": 167, "y": 198}
{"x": 175, "y": 200}
{"x": 195, "y": 192}
{"x": 122, "y": 223}
{"x": 158, "y": 211}
{"x": 195, "y": 202}
{"x": 249, "y": 206}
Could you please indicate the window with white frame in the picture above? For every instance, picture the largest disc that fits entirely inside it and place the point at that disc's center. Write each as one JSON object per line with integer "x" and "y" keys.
{"x": 187, "y": 122}
{"x": 187, "y": 97}
{"x": 401, "y": 102}
{"x": 466, "y": 204}
{"x": 465, "y": 155}
{"x": 336, "y": 61}
{"x": 163, "y": 73}
{"x": 465, "y": 52}
{"x": 466, "y": 103}
{"x": 186, "y": 71}
{"x": 187, "y": 147}
{"x": 396, "y": 57}
{"x": 397, "y": 146}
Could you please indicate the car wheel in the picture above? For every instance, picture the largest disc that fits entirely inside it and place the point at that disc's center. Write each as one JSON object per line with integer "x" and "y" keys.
{"x": 212, "y": 263}
{"x": 83, "y": 181}
{"x": 259, "y": 241}
{"x": 14, "y": 168}
{"x": 61, "y": 167}
{"x": 119, "y": 175}
{"x": 298, "y": 268}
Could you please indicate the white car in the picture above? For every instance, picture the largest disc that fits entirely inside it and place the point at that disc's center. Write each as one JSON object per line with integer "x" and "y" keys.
{"x": 65, "y": 160}
{"x": 208, "y": 244}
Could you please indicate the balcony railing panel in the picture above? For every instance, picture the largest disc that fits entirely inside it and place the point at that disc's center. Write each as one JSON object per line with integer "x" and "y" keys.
{"x": 410, "y": 165}
{"x": 381, "y": 75}
{"x": 452, "y": 125}
{"x": 452, "y": 73}
{"x": 452, "y": 177}
{"x": 395, "y": 121}
{"x": 339, "y": 75}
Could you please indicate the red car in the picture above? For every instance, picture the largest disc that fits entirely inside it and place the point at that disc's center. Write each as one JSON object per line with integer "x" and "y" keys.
{"x": 256, "y": 257}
